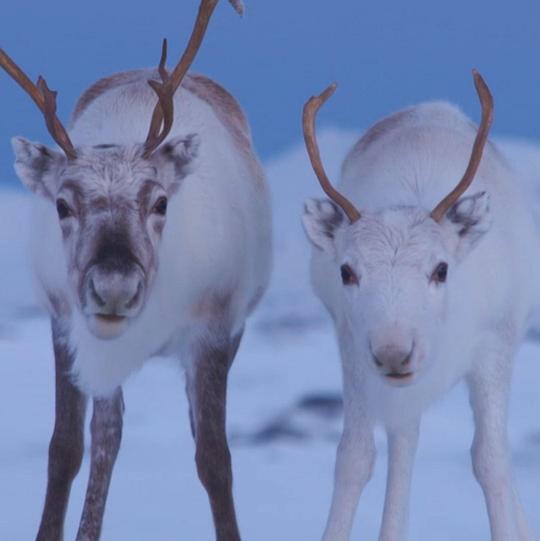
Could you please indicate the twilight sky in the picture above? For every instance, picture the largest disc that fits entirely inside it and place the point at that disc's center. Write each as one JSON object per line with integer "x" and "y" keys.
{"x": 385, "y": 54}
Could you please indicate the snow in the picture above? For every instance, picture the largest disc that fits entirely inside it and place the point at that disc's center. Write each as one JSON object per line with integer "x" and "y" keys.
{"x": 282, "y": 484}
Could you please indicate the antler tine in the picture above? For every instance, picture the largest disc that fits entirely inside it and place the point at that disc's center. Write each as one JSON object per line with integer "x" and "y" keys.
{"x": 486, "y": 100}
{"x": 238, "y": 5}
{"x": 162, "y": 68}
{"x": 165, "y": 105}
{"x": 311, "y": 109}
{"x": 45, "y": 99}
{"x": 54, "y": 126}
{"x": 206, "y": 8}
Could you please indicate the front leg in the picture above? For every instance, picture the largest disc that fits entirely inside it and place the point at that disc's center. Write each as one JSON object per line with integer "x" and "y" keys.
{"x": 354, "y": 465}
{"x": 66, "y": 445}
{"x": 402, "y": 445}
{"x": 489, "y": 387}
{"x": 106, "y": 430}
{"x": 208, "y": 367}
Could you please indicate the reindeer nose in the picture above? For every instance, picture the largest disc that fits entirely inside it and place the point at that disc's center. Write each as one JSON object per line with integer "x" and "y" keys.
{"x": 393, "y": 359}
{"x": 114, "y": 293}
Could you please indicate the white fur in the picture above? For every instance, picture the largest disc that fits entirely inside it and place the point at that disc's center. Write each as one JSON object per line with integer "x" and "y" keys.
{"x": 217, "y": 237}
{"x": 468, "y": 328}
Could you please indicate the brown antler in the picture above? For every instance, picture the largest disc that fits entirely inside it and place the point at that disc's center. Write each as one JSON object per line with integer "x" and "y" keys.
{"x": 311, "y": 108}
{"x": 486, "y": 101}
{"x": 45, "y": 99}
{"x": 238, "y": 5}
{"x": 163, "y": 112}
{"x": 165, "y": 107}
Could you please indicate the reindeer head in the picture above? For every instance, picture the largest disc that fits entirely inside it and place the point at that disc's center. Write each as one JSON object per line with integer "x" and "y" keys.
{"x": 395, "y": 266}
{"x": 111, "y": 201}
{"x": 111, "y": 204}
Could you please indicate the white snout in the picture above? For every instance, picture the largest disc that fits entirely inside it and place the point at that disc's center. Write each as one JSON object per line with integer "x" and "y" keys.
{"x": 394, "y": 356}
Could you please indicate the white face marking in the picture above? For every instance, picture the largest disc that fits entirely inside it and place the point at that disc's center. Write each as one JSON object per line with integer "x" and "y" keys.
{"x": 396, "y": 299}
{"x": 390, "y": 273}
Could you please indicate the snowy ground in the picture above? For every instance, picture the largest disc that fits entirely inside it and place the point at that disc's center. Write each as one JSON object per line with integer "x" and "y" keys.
{"x": 282, "y": 484}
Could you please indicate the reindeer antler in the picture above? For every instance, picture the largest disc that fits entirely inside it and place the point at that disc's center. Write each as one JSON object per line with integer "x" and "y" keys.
{"x": 238, "y": 5}
{"x": 311, "y": 109}
{"x": 165, "y": 107}
{"x": 486, "y": 101}
{"x": 164, "y": 110}
{"x": 45, "y": 99}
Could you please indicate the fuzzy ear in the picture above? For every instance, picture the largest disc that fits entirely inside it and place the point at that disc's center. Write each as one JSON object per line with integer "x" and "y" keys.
{"x": 470, "y": 218}
{"x": 181, "y": 152}
{"x": 35, "y": 165}
{"x": 321, "y": 220}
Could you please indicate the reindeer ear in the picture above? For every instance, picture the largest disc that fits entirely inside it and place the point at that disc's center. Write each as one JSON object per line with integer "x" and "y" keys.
{"x": 35, "y": 165}
{"x": 470, "y": 218}
{"x": 181, "y": 152}
{"x": 322, "y": 218}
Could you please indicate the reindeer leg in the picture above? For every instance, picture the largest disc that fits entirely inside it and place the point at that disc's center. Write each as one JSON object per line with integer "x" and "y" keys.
{"x": 106, "y": 430}
{"x": 489, "y": 388}
{"x": 355, "y": 457}
{"x": 402, "y": 446}
{"x": 67, "y": 442}
{"x": 207, "y": 390}
{"x": 354, "y": 465}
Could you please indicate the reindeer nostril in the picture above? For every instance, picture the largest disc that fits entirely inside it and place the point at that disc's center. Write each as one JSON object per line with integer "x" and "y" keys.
{"x": 95, "y": 295}
{"x": 135, "y": 299}
{"x": 407, "y": 360}
{"x": 377, "y": 362}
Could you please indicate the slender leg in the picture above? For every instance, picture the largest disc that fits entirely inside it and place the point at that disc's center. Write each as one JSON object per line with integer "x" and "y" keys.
{"x": 66, "y": 445}
{"x": 402, "y": 446}
{"x": 354, "y": 466}
{"x": 356, "y": 450}
{"x": 106, "y": 430}
{"x": 489, "y": 387}
{"x": 524, "y": 531}
{"x": 207, "y": 390}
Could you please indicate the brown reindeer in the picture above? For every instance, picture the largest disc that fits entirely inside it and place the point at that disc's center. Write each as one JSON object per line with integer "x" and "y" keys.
{"x": 148, "y": 240}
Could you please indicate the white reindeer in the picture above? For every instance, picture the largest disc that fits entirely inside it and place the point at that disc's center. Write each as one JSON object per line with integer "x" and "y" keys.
{"x": 421, "y": 298}
{"x": 162, "y": 247}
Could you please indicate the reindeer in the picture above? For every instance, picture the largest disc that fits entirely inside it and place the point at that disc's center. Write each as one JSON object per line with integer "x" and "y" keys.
{"x": 422, "y": 299}
{"x": 161, "y": 247}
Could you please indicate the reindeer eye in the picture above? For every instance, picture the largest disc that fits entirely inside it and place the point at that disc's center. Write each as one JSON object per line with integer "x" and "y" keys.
{"x": 160, "y": 207}
{"x": 439, "y": 274}
{"x": 62, "y": 208}
{"x": 348, "y": 276}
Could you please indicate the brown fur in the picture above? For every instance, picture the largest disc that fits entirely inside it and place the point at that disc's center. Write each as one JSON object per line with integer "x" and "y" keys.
{"x": 207, "y": 390}
{"x": 223, "y": 104}
{"x": 67, "y": 442}
{"x": 100, "y": 87}
{"x": 213, "y": 307}
{"x": 230, "y": 114}
{"x": 225, "y": 107}
{"x": 106, "y": 429}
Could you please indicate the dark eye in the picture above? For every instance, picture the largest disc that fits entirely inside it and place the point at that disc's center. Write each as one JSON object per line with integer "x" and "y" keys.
{"x": 63, "y": 210}
{"x": 440, "y": 273}
{"x": 348, "y": 277}
{"x": 160, "y": 206}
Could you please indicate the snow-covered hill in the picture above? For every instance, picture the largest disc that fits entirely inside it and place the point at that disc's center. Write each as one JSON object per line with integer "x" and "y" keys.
{"x": 283, "y": 415}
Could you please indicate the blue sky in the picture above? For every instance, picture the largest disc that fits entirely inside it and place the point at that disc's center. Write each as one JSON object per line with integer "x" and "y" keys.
{"x": 385, "y": 54}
